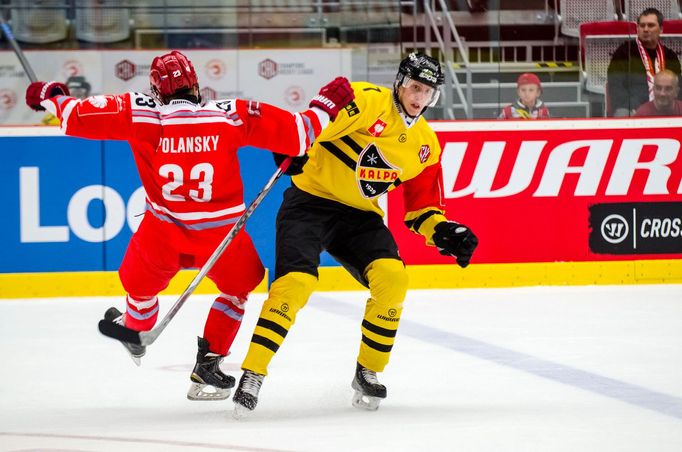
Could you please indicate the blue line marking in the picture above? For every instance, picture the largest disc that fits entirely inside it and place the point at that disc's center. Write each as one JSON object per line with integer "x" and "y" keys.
{"x": 638, "y": 396}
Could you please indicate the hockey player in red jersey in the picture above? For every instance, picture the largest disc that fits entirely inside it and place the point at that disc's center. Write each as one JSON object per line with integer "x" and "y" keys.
{"x": 186, "y": 155}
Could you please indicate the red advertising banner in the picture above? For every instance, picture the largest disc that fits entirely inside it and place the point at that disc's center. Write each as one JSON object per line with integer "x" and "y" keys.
{"x": 558, "y": 190}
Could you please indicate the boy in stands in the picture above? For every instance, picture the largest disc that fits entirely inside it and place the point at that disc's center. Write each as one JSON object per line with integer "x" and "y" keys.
{"x": 528, "y": 105}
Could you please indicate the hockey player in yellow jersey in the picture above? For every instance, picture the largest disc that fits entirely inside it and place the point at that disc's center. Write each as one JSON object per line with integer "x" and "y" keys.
{"x": 380, "y": 141}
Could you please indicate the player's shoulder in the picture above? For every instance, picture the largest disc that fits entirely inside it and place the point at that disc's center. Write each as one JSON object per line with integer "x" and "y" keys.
{"x": 251, "y": 107}
{"x": 238, "y": 110}
{"x": 225, "y": 105}
{"x": 141, "y": 101}
{"x": 369, "y": 98}
{"x": 424, "y": 130}
{"x": 369, "y": 89}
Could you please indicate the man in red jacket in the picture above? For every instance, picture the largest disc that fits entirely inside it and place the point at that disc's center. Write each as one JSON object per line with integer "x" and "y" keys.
{"x": 665, "y": 103}
{"x": 186, "y": 155}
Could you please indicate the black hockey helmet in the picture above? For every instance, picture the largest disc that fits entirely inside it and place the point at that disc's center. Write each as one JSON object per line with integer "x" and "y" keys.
{"x": 78, "y": 86}
{"x": 421, "y": 68}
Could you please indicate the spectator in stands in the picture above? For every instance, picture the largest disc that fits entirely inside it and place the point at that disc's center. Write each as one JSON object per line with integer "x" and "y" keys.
{"x": 665, "y": 103}
{"x": 635, "y": 62}
{"x": 528, "y": 105}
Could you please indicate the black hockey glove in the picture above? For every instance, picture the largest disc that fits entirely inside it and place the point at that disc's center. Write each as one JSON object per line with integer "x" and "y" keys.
{"x": 296, "y": 165}
{"x": 456, "y": 240}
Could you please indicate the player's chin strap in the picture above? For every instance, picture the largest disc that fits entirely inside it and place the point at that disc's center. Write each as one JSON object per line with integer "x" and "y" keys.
{"x": 407, "y": 119}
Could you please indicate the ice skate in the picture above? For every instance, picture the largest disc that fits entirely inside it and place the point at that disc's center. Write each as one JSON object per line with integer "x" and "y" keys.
{"x": 246, "y": 396}
{"x": 368, "y": 391}
{"x": 136, "y": 351}
{"x": 208, "y": 381}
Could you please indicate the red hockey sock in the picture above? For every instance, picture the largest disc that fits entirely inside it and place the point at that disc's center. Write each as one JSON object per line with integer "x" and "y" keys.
{"x": 223, "y": 322}
{"x": 141, "y": 312}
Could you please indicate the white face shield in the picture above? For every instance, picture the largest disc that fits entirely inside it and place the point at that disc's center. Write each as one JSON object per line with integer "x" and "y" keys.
{"x": 417, "y": 88}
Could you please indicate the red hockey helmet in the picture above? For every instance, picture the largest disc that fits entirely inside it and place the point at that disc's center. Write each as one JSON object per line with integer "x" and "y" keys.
{"x": 171, "y": 73}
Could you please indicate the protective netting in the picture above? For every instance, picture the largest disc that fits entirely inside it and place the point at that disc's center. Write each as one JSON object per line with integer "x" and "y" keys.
{"x": 102, "y": 20}
{"x": 669, "y": 8}
{"x": 598, "y": 52}
{"x": 574, "y": 12}
{"x": 39, "y": 22}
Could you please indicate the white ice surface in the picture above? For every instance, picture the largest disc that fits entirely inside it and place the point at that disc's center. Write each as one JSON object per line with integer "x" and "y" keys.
{"x": 547, "y": 369}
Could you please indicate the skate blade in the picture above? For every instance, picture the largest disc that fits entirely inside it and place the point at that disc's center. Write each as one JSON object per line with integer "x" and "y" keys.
{"x": 197, "y": 391}
{"x": 136, "y": 359}
{"x": 365, "y": 402}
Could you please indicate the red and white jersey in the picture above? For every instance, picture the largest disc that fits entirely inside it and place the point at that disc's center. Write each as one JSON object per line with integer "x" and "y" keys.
{"x": 186, "y": 153}
{"x": 518, "y": 110}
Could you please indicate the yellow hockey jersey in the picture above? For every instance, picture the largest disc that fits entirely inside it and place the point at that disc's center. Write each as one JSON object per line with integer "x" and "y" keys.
{"x": 369, "y": 150}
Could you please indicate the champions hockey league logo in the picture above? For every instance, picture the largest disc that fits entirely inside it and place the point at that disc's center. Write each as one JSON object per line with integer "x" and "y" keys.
{"x": 125, "y": 70}
{"x": 373, "y": 173}
{"x": 267, "y": 69}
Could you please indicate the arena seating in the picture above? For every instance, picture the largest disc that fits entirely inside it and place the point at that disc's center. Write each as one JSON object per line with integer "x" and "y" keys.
{"x": 575, "y": 12}
{"x": 39, "y": 21}
{"x": 598, "y": 41}
{"x": 102, "y": 21}
{"x": 669, "y": 8}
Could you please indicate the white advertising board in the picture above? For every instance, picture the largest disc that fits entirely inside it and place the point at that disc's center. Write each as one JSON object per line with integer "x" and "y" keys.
{"x": 287, "y": 78}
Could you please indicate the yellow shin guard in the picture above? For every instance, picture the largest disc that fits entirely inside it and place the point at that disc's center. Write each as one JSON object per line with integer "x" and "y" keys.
{"x": 287, "y": 296}
{"x": 388, "y": 286}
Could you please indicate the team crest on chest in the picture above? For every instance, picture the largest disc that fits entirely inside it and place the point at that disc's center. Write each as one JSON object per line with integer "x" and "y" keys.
{"x": 424, "y": 153}
{"x": 374, "y": 173}
{"x": 377, "y": 128}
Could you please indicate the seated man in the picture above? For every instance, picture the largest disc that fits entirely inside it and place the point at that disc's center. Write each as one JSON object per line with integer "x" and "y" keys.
{"x": 665, "y": 103}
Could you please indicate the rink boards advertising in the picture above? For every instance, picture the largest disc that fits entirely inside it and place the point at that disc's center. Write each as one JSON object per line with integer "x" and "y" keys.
{"x": 551, "y": 200}
{"x": 544, "y": 191}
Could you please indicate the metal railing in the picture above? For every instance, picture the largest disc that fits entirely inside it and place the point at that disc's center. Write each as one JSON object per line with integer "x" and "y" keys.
{"x": 465, "y": 99}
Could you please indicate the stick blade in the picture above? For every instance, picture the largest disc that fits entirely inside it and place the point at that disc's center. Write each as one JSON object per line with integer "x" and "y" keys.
{"x": 119, "y": 332}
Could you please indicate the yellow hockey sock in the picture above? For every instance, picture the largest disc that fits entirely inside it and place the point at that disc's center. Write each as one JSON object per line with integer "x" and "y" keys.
{"x": 287, "y": 296}
{"x": 388, "y": 286}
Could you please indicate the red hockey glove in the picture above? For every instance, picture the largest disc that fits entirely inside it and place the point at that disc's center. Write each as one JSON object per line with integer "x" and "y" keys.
{"x": 333, "y": 97}
{"x": 456, "y": 240}
{"x": 39, "y": 91}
